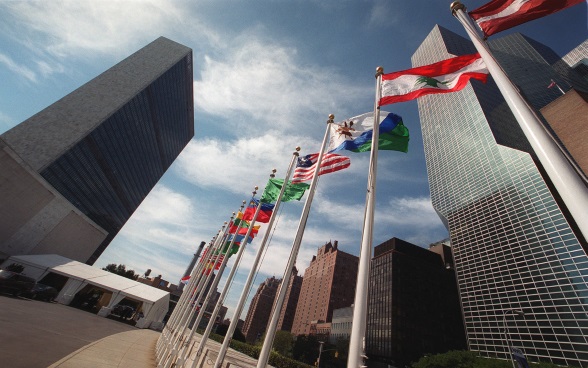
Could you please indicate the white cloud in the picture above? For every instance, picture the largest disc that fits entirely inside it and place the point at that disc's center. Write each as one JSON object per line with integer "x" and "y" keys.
{"x": 267, "y": 82}
{"x": 71, "y": 28}
{"x": 382, "y": 14}
{"x": 18, "y": 69}
{"x": 237, "y": 165}
{"x": 47, "y": 68}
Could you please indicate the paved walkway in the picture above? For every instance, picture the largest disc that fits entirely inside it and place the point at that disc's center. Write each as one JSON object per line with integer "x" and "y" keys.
{"x": 131, "y": 349}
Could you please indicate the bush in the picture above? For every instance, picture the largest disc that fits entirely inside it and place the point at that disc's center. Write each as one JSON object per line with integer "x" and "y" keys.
{"x": 470, "y": 359}
{"x": 275, "y": 359}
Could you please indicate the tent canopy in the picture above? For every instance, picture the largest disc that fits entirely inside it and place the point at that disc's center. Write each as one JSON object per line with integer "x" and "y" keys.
{"x": 37, "y": 266}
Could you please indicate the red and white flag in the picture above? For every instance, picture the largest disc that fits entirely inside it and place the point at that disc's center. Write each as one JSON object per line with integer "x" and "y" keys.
{"x": 306, "y": 165}
{"x": 446, "y": 76}
{"x": 498, "y": 15}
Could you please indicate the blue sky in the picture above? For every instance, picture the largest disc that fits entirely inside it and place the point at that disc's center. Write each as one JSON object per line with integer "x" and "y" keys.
{"x": 266, "y": 76}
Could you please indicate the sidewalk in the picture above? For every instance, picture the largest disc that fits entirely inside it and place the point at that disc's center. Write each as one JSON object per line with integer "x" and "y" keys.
{"x": 131, "y": 349}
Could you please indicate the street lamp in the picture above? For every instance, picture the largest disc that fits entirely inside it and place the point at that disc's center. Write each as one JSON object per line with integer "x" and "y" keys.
{"x": 514, "y": 312}
{"x": 318, "y": 361}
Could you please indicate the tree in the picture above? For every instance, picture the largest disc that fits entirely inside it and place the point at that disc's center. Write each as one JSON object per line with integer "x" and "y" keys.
{"x": 237, "y": 335}
{"x": 469, "y": 359}
{"x": 283, "y": 343}
{"x": 121, "y": 270}
{"x": 306, "y": 349}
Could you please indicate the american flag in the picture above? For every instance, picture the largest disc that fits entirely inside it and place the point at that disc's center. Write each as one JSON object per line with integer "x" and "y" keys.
{"x": 306, "y": 165}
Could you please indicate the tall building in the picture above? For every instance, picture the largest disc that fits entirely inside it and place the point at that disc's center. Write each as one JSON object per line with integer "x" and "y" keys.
{"x": 514, "y": 245}
{"x": 341, "y": 324}
{"x": 413, "y": 305}
{"x": 328, "y": 284}
{"x": 73, "y": 174}
{"x": 577, "y": 59}
{"x": 260, "y": 309}
{"x": 290, "y": 302}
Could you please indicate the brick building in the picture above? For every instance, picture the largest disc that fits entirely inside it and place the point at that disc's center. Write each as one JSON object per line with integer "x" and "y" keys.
{"x": 328, "y": 284}
{"x": 260, "y": 309}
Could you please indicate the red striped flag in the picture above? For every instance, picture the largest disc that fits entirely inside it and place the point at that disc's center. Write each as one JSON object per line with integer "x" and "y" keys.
{"x": 445, "y": 76}
{"x": 498, "y": 15}
{"x": 306, "y": 165}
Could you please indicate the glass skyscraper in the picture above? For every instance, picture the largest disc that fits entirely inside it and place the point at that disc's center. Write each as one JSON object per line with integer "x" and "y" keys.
{"x": 514, "y": 248}
{"x": 103, "y": 148}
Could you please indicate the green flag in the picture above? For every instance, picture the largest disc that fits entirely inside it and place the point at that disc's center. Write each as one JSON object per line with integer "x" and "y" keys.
{"x": 294, "y": 191}
{"x": 225, "y": 249}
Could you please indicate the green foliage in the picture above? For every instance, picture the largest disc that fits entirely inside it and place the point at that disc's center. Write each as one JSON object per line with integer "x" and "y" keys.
{"x": 278, "y": 360}
{"x": 275, "y": 359}
{"x": 121, "y": 270}
{"x": 283, "y": 343}
{"x": 469, "y": 359}
{"x": 237, "y": 335}
{"x": 306, "y": 349}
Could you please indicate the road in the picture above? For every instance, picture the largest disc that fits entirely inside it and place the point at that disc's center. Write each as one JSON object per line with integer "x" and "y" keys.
{"x": 37, "y": 334}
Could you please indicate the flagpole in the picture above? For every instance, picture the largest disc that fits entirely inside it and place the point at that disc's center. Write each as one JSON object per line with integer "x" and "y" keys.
{"x": 197, "y": 272}
{"x": 238, "y": 310}
{"x": 568, "y": 184}
{"x": 358, "y": 325}
{"x": 178, "y": 315}
{"x": 213, "y": 286}
{"x": 227, "y": 285}
{"x": 180, "y": 326}
{"x": 171, "y": 322}
{"x": 281, "y": 294}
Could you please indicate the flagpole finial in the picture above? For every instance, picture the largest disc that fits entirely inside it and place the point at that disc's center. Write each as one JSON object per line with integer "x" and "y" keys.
{"x": 455, "y": 6}
{"x": 273, "y": 174}
{"x": 296, "y": 153}
{"x": 379, "y": 71}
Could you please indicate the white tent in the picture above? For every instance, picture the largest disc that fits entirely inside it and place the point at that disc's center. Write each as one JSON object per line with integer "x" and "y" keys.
{"x": 155, "y": 301}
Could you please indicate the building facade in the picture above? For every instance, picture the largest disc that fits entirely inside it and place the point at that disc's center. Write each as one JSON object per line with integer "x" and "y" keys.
{"x": 328, "y": 284}
{"x": 341, "y": 324}
{"x": 290, "y": 302}
{"x": 515, "y": 246}
{"x": 74, "y": 173}
{"x": 260, "y": 309}
{"x": 413, "y": 305}
{"x": 577, "y": 59}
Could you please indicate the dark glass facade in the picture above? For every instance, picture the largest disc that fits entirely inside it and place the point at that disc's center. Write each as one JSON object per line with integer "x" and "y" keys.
{"x": 413, "y": 305}
{"x": 513, "y": 247}
{"x": 109, "y": 172}
{"x": 260, "y": 309}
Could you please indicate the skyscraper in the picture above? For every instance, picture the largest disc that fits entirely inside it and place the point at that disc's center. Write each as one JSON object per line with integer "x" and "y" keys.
{"x": 514, "y": 248}
{"x": 74, "y": 173}
{"x": 413, "y": 305}
{"x": 290, "y": 302}
{"x": 328, "y": 284}
{"x": 260, "y": 309}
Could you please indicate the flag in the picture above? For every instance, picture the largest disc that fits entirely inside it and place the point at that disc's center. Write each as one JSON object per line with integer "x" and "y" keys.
{"x": 225, "y": 248}
{"x": 552, "y": 84}
{"x": 265, "y": 212}
{"x": 294, "y": 191}
{"x": 307, "y": 164}
{"x": 239, "y": 238}
{"x": 242, "y": 226}
{"x": 184, "y": 280}
{"x": 498, "y": 15}
{"x": 449, "y": 75}
{"x": 214, "y": 263}
{"x": 355, "y": 134}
